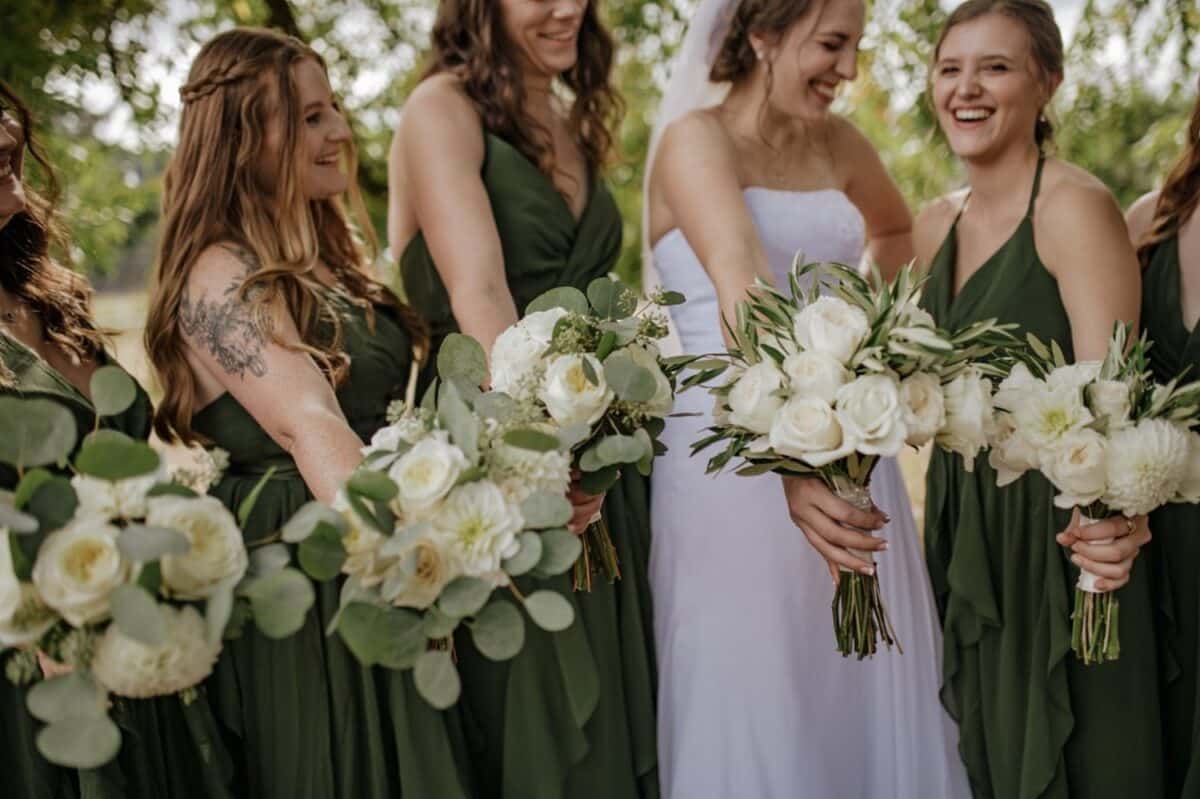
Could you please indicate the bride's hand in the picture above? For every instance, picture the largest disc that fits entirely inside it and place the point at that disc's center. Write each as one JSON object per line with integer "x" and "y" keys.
{"x": 1111, "y": 561}
{"x": 832, "y": 525}
{"x": 585, "y": 507}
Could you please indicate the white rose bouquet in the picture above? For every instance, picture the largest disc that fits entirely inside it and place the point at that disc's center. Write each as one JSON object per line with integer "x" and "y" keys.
{"x": 455, "y": 500}
{"x": 1109, "y": 438}
{"x": 826, "y": 384}
{"x": 590, "y": 362}
{"x": 124, "y": 576}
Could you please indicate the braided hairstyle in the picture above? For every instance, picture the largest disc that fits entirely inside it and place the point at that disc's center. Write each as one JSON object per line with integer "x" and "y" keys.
{"x": 240, "y": 88}
{"x": 1180, "y": 195}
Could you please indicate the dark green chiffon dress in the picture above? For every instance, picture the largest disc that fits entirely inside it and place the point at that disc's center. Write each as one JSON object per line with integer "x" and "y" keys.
{"x": 1034, "y": 721}
{"x": 573, "y": 714}
{"x": 168, "y": 749}
{"x": 1175, "y": 551}
{"x": 302, "y": 718}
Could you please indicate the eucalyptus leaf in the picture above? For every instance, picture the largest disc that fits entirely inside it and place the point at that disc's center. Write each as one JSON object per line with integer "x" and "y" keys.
{"x": 572, "y": 436}
{"x": 279, "y": 601}
{"x": 137, "y": 615}
{"x": 462, "y": 358}
{"x": 144, "y": 543}
{"x": 459, "y": 420}
{"x": 437, "y": 679}
{"x": 599, "y": 481}
{"x": 269, "y": 558}
{"x": 321, "y": 555}
{"x": 533, "y": 440}
{"x": 30, "y": 483}
{"x": 498, "y": 631}
{"x": 616, "y": 449}
{"x": 17, "y": 522}
{"x": 527, "y": 556}
{"x": 560, "y": 549}
{"x": 53, "y": 503}
{"x": 111, "y": 455}
{"x": 217, "y": 611}
{"x": 80, "y": 743}
{"x": 496, "y": 405}
{"x": 171, "y": 490}
{"x": 436, "y": 624}
{"x": 71, "y": 696}
{"x": 668, "y": 298}
{"x": 610, "y": 299}
{"x": 628, "y": 380}
{"x": 35, "y": 432}
{"x": 550, "y": 610}
{"x": 113, "y": 390}
{"x": 464, "y": 596}
{"x": 542, "y": 509}
{"x": 306, "y": 520}
{"x": 150, "y": 577}
{"x": 566, "y": 297}
{"x": 387, "y": 636}
{"x": 373, "y": 485}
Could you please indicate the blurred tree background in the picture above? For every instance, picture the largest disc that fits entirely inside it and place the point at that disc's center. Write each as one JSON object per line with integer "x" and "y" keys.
{"x": 103, "y": 77}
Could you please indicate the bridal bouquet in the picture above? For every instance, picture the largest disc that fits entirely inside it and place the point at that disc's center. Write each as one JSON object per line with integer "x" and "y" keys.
{"x": 826, "y": 384}
{"x": 123, "y": 580}
{"x": 1110, "y": 439}
{"x": 591, "y": 364}
{"x": 454, "y": 500}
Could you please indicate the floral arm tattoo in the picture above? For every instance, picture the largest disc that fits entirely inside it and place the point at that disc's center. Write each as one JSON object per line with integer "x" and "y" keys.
{"x": 230, "y": 328}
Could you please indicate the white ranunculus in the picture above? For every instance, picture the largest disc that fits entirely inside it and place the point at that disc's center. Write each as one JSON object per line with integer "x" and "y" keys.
{"x": 1078, "y": 466}
{"x": 815, "y": 374}
{"x": 217, "y": 551}
{"x": 517, "y": 351}
{"x": 1074, "y": 375}
{"x": 1110, "y": 398}
{"x": 870, "y": 413}
{"x": 30, "y": 620}
{"x": 924, "y": 407}
{"x": 1014, "y": 388}
{"x": 479, "y": 526}
{"x": 415, "y": 577}
{"x": 1045, "y": 415}
{"x": 754, "y": 400}
{"x": 832, "y": 326}
{"x": 569, "y": 396}
{"x": 807, "y": 428}
{"x": 1189, "y": 485}
{"x": 1011, "y": 454}
{"x": 127, "y": 667}
{"x": 968, "y": 415}
{"x": 114, "y": 499}
{"x": 10, "y": 588}
{"x": 663, "y": 401}
{"x": 425, "y": 474}
{"x": 78, "y": 567}
{"x": 1151, "y": 462}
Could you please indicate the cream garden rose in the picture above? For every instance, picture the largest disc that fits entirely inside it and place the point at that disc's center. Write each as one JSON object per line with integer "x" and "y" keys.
{"x": 815, "y": 374}
{"x": 1011, "y": 454}
{"x": 569, "y": 395}
{"x": 113, "y": 499}
{"x": 870, "y": 413}
{"x": 419, "y": 567}
{"x": 924, "y": 407}
{"x": 968, "y": 425}
{"x": 1110, "y": 399}
{"x": 127, "y": 667}
{"x": 425, "y": 474}
{"x": 754, "y": 400}
{"x": 517, "y": 351}
{"x": 217, "y": 552}
{"x": 832, "y": 326}
{"x": 479, "y": 526}
{"x": 808, "y": 428}
{"x": 77, "y": 569}
{"x": 1078, "y": 466}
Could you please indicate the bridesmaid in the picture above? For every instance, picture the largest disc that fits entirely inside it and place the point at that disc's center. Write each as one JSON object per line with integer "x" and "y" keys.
{"x": 496, "y": 188}
{"x": 1038, "y": 242}
{"x": 1166, "y": 229}
{"x": 273, "y": 341}
{"x": 49, "y": 348}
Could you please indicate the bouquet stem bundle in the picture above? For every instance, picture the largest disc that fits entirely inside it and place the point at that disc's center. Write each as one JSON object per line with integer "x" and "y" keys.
{"x": 599, "y": 556}
{"x": 1095, "y": 634}
{"x": 860, "y": 618}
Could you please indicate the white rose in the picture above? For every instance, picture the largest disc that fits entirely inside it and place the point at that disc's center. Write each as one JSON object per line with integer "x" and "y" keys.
{"x": 1110, "y": 398}
{"x": 10, "y": 588}
{"x": 425, "y": 474}
{"x": 415, "y": 576}
{"x": 128, "y": 667}
{"x": 808, "y": 429}
{"x": 870, "y": 413}
{"x": 113, "y": 499}
{"x": 570, "y": 397}
{"x": 78, "y": 567}
{"x": 832, "y": 326}
{"x": 815, "y": 374}
{"x": 924, "y": 407}
{"x": 1078, "y": 466}
{"x": 754, "y": 400}
{"x": 968, "y": 415}
{"x": 1074, "y": 375}
{"x": 479, "y": 527}
{"x": 30, "y": 620}
{"x": 663, "y": 401}
{"x": 1015, "y": 387}
{"x": 217, "y": 551}
{"x": 1189, "y": 485}
{"x": 1011, "y": 453}
{"x": 517, "y": 351}
{"x": 1152, "y": 462}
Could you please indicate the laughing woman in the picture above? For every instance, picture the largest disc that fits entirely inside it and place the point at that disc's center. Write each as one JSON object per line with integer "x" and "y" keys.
{"x": 1037, "y": 242}
{"x": 496, "y": 188}
{"x": 272, "y": 341}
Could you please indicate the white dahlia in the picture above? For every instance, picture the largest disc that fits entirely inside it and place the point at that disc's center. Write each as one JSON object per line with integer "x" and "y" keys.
{"x": 127, "y": 667}
{"x": 1147, "y": 463}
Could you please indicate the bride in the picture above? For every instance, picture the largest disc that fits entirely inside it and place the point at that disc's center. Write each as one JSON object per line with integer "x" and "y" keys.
{"x": 750, "y": 167}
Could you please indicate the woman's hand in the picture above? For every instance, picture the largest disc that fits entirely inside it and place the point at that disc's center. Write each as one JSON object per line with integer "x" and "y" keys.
{"x": 1110, "y": 560}
{"x": 832, "y": 525}
{"x": 585, "y": 506}
{"x": 51, "y": 668}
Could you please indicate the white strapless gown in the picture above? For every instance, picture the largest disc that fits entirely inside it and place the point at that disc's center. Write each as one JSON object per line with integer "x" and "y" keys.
{"x": 754, "y": 700}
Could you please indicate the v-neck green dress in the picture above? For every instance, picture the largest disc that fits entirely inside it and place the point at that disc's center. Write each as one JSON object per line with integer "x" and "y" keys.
{"x": 573, "y": 714}
{"x": 303, "y": 719}
{"x": 169, "y": 750}
{"x": 1175, "y": 551}
{"x": 1034, "y": 721}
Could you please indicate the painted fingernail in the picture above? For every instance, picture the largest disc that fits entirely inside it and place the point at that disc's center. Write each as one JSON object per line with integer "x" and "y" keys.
{"x": 1075, "y": 559}
{"x": 869, "y": 571}
{"x": 883, "y": 544}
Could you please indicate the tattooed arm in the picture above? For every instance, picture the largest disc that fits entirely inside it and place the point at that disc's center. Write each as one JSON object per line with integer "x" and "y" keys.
{"x": 231, "y": 349}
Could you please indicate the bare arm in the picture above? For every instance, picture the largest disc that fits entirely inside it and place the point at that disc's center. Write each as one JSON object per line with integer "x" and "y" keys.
{"x": 230, "y": 347}
{"x": 1140, "y": 216}
{"x": 874, "y": 193}
{"x": 442, "y": 153}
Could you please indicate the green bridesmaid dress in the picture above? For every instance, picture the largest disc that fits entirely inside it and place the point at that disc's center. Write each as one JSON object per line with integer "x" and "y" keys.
{"x": 1175, "y": 551}
{"x": 573, "y": 714}
{"x": 1034, "y": 721}
{"x": 304, "y": 719}
{"x": 168, "y": 749}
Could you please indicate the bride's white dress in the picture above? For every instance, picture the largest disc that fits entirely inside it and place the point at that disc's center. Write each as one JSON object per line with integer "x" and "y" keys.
{"x": 754, "y": 700}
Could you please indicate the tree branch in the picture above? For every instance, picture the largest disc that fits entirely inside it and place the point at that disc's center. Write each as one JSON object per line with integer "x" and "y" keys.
{"x": 281, "y": 16}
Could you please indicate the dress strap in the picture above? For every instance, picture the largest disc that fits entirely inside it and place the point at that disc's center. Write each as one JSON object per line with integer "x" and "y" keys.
{"x": 1037, "y": 184}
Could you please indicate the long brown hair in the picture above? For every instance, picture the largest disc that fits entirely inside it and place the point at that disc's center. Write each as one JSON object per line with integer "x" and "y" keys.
{"x": 30, "y": 244}
{"x": 240, "y": 82}
{"x": 736, "y": 58}
{"x": 469, "y": 42}
{"x": 1045, "y": 41}
{"x": 1180, "y": 195}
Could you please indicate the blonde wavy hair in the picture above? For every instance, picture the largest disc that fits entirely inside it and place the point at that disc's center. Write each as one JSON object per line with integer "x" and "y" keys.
{"x": 239, "y": 85}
